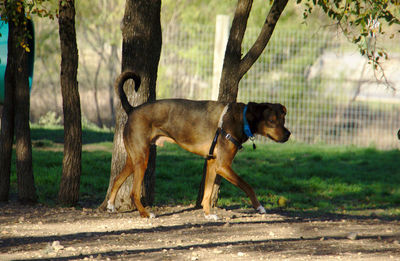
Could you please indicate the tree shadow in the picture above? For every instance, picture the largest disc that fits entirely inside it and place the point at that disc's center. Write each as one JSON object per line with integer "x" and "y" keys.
{"x": 274, "y": 245}
{"x": 56, "y": 135}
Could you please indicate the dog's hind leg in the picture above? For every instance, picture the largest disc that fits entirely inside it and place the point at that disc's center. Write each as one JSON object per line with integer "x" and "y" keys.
{"x": 118, "y": 181}
{"x": 140, "y": 166}
{"x": 208, "y": 187}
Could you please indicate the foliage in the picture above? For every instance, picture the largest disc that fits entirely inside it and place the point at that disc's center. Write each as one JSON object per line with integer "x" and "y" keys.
{"x": 50, "y": 119}
{"x": 40, "y": 8}
{"x": 361, "y": 21}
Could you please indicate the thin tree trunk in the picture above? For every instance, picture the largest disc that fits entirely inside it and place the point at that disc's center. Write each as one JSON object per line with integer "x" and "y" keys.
{"x": 16, "y": 112}
{"x": 96, "y": 95}
{"x": 7, "y": 122}
{"x": 23, "y": 144}
{"x": 71, "y": 173}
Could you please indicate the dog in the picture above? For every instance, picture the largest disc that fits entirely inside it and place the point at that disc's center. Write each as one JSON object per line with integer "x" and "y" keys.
{"x": 193, "y": 125}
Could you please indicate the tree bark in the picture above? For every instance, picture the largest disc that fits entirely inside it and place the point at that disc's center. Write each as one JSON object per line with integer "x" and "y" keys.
{"x": 23, "y": 144}
{"x": 228, "y": 88}
{"x": 141, "y": 50}
{"x": 7, "y": 120}
{"x": 235, "y": 67}
{"x": 71, "y": 173}
{"x": 16, "y": 111}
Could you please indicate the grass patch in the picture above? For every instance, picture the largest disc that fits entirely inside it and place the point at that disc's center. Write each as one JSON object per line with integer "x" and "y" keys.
{"x": 318, "y": 177}
{"x": 55, "y": 134}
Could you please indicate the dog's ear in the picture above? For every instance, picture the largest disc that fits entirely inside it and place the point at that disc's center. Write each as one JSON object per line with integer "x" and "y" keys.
{"x": 284, "y": 109}
{"x": 277, "y": 107}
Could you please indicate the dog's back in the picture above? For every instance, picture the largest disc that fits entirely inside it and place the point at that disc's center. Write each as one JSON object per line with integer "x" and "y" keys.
{"x": 191, "y": 124}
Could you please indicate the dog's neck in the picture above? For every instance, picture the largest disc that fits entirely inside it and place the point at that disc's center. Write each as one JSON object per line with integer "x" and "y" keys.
{"x": 246, "y": 126}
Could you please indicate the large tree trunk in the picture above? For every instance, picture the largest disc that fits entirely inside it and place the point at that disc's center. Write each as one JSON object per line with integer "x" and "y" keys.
{"x": 71, "y": 173}
{"x": 16, "y": 111}
{"x": 235, "y": 67}
{"x": 141, "y": 49}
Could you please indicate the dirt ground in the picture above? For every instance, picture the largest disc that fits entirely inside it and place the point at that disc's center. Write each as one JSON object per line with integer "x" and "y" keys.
{"x": 182, "y": 233}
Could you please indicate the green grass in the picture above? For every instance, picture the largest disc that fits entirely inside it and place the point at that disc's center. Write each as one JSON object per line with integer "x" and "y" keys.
{"x": 316, "y": 178}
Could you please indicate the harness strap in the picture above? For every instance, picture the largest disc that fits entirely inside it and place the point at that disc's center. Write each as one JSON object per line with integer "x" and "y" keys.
{"x": 212, "y": 147}
{"x": 226, "y": 135}
{"x": 231, "y": 139}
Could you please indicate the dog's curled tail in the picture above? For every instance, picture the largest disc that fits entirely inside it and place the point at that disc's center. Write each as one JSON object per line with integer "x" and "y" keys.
{"x": 119, "y": 88}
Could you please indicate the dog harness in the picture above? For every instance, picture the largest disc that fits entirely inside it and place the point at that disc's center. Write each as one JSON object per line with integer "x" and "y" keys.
{"x": 224, "y": 134}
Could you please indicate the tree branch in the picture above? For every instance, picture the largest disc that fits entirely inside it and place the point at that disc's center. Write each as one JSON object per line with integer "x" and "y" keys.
{"x": 263, "y": 38}
{"x": 239, "y": 25}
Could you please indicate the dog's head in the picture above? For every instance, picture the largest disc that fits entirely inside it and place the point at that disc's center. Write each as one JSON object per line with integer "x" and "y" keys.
{"x": 268, "y": 119}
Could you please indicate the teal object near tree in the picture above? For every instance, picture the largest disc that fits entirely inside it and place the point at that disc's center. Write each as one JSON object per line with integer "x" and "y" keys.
{"x": 4, "y": 51}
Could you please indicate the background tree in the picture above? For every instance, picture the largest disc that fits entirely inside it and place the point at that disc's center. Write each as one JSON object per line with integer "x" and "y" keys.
{"x": 141, "y": 49}
{"x": 69, "y": 186}
{"x": 96, "y": 23}
{"x": 15, "y": 116}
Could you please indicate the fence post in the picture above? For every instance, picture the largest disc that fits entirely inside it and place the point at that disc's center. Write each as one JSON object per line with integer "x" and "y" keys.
{"x": 221, "y": 38}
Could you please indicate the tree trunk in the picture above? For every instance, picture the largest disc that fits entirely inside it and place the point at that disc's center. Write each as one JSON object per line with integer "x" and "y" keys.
{"x": 16, "y": 112}
{"x": 23, "y": 144}
{"x": 235, "y": 67}
{"x": 7, "y": 120}
{"x": 228, "y": 88}
{"x": 71, "y": 173}
{"x": 141, "y": 49}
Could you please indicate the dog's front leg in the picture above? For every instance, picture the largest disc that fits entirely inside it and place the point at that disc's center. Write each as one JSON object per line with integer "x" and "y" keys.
{"x": 227, "y": 172}
{"x": 208, "y": 187}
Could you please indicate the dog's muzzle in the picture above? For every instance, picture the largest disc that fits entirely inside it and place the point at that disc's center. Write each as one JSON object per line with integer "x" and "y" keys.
{"x": 286, "y": 136}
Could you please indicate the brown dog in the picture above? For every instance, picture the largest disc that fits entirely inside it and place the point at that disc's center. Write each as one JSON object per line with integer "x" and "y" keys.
{"x": 192, "y": 125}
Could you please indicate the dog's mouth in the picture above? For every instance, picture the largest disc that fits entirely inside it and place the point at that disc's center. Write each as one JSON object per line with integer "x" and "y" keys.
{"x": 282, "y": 140}
{"x": 272, "y": 138}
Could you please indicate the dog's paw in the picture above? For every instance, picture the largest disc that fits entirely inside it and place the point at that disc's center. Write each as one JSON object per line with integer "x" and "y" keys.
{"x": 261, "y": 210}
{"x": 110, "y": 207}
{"x": 211, "y": 217}
{"x": 152, "y": 215}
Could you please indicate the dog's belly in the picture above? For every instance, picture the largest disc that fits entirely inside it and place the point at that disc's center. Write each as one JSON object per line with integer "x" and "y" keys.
{"x": 201, "y": 148}
{"x": 160, "y": 141}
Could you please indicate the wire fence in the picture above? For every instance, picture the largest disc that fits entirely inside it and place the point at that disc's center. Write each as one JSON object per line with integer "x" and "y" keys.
{"x": 332, "y": 94}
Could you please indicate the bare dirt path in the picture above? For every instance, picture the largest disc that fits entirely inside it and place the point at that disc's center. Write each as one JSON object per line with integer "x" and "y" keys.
{"x": 182, "y": 233}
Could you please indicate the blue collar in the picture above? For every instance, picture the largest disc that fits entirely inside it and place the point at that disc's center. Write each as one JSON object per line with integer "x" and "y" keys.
{"x": 246, "y": 127}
